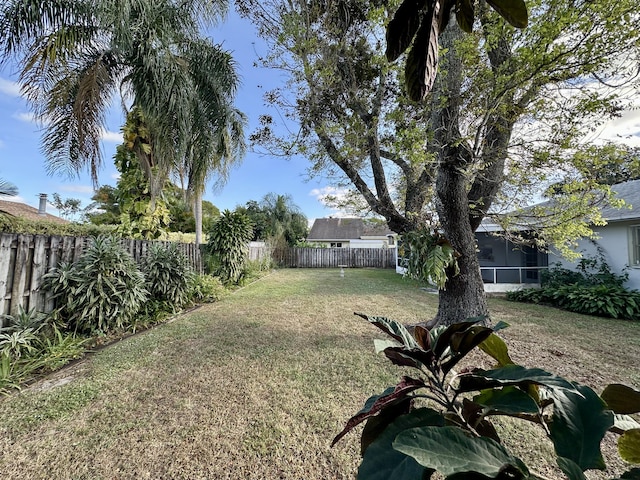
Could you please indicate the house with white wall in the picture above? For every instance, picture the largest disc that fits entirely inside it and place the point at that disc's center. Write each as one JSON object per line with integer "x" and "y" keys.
{"x": 619, "y": 240}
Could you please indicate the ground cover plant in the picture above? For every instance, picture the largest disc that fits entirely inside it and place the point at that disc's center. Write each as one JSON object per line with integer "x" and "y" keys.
{"x": 257, "y": 385}
{"x": 592, "y": 289}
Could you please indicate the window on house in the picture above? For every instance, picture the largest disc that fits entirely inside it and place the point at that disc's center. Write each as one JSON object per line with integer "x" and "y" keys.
{"x": 634, "y": 246}
{"x": 336, "y": 244}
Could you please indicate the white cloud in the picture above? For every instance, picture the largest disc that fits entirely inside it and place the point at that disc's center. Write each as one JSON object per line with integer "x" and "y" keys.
{"x": 113, "y": 137}
{"x": 625, "y": 129}
{"x": 16, "y": 198}
{"x": 27, "y": 117}
{"x": 9, "y": 88}
{"x": 324, "y": 194}
{"x": 77, "y": 189}
{"x": 336, "y": 199}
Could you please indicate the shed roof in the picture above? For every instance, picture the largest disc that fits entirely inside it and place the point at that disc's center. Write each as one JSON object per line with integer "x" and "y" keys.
{"x": 21, "y": 210}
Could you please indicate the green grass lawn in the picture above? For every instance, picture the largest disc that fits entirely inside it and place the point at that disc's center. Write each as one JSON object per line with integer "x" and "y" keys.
{"x": 257, "y": 385}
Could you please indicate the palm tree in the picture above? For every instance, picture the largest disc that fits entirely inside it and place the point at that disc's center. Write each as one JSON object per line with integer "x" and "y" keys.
{"x": 213, "y": 153}
{"x": 76, "y": 56}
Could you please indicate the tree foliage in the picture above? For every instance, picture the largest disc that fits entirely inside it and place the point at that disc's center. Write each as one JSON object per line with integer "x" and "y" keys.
{"x": 76, "y": 56}
{"x": 7, "y": 189}
{"x": 276, "y": 219}
{"x": 510, "y": 110}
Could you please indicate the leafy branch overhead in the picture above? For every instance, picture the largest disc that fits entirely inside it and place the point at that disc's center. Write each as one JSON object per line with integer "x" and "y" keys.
{"x": 422, "y": 22}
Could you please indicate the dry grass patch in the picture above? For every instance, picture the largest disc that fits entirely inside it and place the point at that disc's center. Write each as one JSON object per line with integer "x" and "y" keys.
{"x": 257, "y": 385}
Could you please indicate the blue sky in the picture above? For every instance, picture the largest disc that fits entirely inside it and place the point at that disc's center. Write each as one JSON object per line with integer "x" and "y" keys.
{"x": 22, "y": 163}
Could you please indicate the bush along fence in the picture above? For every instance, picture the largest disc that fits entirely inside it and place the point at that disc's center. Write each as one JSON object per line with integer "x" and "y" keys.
{"x": 25, "y": 259}
{"x": 335, "y": 257}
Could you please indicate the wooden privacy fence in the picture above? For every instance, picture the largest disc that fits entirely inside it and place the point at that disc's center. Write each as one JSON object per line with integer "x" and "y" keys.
{"x": 334, "y": 257}
{"x": 24, "y": 259}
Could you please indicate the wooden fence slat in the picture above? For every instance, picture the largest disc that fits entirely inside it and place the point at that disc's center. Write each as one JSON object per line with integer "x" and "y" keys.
{"x": 297, "y": 257}
{"x": 39, "y": 268}
{"x": 6, "y": 240}
{"x": 20, "y": 273}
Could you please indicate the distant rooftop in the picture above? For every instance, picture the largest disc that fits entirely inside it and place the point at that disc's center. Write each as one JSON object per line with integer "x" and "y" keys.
{"x": 630, "y": 193}
{"x": 627, "y": 191}
{"x": 21, "y": 210}
{"x": 331, "y": 229}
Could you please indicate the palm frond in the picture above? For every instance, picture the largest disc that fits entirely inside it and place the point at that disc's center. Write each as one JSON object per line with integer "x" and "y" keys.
{"x": 7, "y": 189}
{"x": 75, "y": 114}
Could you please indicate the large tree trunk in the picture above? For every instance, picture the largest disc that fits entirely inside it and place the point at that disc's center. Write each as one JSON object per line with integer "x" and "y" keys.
{"x": 463, "y": 296}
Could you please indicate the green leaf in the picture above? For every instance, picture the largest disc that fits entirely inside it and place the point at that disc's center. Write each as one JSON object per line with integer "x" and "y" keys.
{"x": 402, "y": 28}
{"x": 443, "y": 341}
{"x": 495, "y": 347}
{"x": 403, "y": 357}
{"x": 513, "y": 11}
{"x": 382, "y": 462}
{"x": 392, "y": 328}
{"x": 420, "y": 74}
{"x": 377, "y": 424}
{"x": 449, "y": 450}
{"x": 509, "y": 400}
{"x": 463, "y": 342}
{"x": 629, "y": 446}
{"x": 381, "y": 345}
{"x": 511, "y": 375}
{"x": 570, "y": 469}
{"x": 621, "y": 398}
{"x": 579, "y": 423}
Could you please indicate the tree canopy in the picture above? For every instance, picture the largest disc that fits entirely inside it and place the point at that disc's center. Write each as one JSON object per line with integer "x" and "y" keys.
{"x": 276, "y": 219}
{"x": 76, "y": 56}
{"x": 510, "y": 111}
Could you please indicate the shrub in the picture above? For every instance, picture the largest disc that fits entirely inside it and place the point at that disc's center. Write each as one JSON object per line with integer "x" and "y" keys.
{"x": 406, "y": 438}
{"x": 254, "y": 269}
{"x": 556, "y": 276}
{"x": 57, "y": 349}
{"x": 11, "y": 224}
{"x": 32, "y": 343}
{"x": 598, "y": 300}
{"x": 102, "y": 291}
{"x": 206, "y": 288}
{"x": 228, "y": 245}
{"x": 23, "y": 320}
{"x": 592, "y": 290}
{"x": 589, "y": 272}
{"x": 167, "y": 274}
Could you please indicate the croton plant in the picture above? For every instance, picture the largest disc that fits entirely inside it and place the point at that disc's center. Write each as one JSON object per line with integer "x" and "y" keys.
{"x": 441, "y": 420}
